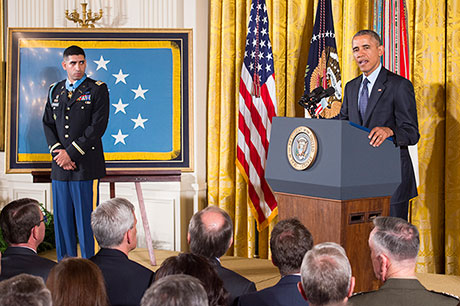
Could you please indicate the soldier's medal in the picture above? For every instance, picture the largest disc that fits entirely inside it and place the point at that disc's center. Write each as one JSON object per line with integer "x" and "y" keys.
{"x": 302, "y": 148}
{"x": 69, "y": 94}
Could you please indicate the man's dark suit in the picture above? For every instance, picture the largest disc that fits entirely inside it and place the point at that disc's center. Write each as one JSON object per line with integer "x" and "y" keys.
{"x": 235, "y": 284}
{"x": 391, "y": 104}
{"x": 126, "y": 280}
{"x": 284, "y": 293}
{"x": 17, "y": 260}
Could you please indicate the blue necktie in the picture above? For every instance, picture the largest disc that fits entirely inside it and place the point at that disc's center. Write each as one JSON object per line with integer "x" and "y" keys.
{"x": 363, "y": 98}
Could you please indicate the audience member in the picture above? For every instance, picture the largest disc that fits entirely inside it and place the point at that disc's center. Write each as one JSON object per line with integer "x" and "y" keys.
{"x": 77, "y": 282}
{"x": 289, "y": 242}
{"x": 114, "y": 226}
{"x": 176, "y": 290}
{"x": 210, "y": 234}
{"x": 394, "y": 245}
{"x": 23, "y": 228}
{"x": 199, "y": 267}
{"x": 24, "y": 290}
{"x": 326, "y": 276}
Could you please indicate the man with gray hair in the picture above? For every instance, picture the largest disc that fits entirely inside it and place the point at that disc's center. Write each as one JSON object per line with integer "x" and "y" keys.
{"x": 326, "y": 275}
{"x": 24, "y": 290}
{"x": 114, "y": 226}
{"x": 394, "y": 245}
{"x": 176, "y": 290}
{"x": 210, "y": 234}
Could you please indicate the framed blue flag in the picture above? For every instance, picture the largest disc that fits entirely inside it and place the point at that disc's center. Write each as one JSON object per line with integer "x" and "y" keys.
{"x": 149, "y": 79}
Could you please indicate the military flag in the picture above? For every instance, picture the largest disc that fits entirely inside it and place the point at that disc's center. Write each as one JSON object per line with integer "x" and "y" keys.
{"x": 390, "y": 22}
{"x": 323, "y": 67}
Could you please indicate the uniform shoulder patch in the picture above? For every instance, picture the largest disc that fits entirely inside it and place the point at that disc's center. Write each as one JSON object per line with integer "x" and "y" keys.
{"x": 99, "y": 83}
{"x": 53, "y": 84}
{"x": 362, "y": 293}
{"x": 446, "y": 294}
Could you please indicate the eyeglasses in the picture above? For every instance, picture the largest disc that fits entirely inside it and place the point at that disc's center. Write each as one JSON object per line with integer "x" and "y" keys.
{"x": 44, "y": 220}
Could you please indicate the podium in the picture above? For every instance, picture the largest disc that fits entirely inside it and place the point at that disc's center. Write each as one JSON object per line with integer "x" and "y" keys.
{"x": 348, "y": 184}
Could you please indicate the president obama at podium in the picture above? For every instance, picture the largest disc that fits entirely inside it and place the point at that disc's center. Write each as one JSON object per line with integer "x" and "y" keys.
{"x": 385, "y": 103}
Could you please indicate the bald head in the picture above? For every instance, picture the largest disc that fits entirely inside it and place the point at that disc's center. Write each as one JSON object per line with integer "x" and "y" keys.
{"x": 210, "y": 232}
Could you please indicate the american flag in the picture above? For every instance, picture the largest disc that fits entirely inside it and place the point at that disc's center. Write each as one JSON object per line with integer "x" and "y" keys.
{"x": 257, "y": 107}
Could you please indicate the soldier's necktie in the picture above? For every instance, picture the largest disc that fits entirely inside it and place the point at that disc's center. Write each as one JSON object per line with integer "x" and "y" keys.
{"x": 363, "y": 98}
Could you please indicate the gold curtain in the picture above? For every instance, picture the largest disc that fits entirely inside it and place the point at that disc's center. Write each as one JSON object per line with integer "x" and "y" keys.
{"x": 434, "y": 35}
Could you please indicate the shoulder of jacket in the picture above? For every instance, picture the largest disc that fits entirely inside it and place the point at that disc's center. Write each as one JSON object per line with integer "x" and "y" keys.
{"x": 362, "y": 293}
{"x": 98, "y": 83}
{"x": 445, "y": 294}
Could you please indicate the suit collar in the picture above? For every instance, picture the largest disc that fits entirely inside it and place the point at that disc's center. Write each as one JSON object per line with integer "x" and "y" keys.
{"x": 377, "y": 91}
{"x": 408, "y": 283}
{"x": 289, "y": 279}
{"x": 111, "y": 253}
{"x": 19, "y": 251}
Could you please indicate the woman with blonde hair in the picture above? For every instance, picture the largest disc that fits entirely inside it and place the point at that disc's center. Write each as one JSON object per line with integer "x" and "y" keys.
{"x": 77, "y": 282}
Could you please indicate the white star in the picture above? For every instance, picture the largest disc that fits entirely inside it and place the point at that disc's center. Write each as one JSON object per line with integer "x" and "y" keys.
{"x": 259, "y": 6}
{"x": 253, "y": 54}
{"x": 120, "y": 77}
{"x": 268, "y": 68}
{"x": 120, "y": 137}
{"x": 262, "y": 43}
{"x": 269, "y": 44}
{"x": 120, "y": 107}
{"x": 313, "y": 38}
{"x": 265, "y": 7}
{"x": 254, "y": 42}
{"x": 261, "y": 55}
{"x": 101, "y": 63}
{"x": 245, "y": 53}
{"x": 269, "y": 56}
{"x": 265, "y": 20}
{"x": 139, "y": 92}
{"x": 139, "y": 122}
{"x": 259, "y": 67}
{"x": 251, "y": 66}
{"x": 264, "y": 31}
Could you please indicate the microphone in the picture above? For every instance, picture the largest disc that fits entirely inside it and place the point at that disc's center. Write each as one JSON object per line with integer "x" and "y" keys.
{"x": 307, "y": 98}
{"x": 326, "y": 93}
{"x": 310, "y": 101}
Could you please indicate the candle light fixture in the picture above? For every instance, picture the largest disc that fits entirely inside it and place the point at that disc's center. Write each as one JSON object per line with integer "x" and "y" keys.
{"x": 87, "y": 19}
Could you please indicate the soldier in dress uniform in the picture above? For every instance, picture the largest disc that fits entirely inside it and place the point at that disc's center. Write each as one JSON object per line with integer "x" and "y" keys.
{"x": 75, "y": 118}
{"x": 394, "y": 245}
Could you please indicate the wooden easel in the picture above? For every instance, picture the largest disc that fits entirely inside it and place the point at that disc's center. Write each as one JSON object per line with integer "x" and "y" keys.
{"x": 117, "y": 176}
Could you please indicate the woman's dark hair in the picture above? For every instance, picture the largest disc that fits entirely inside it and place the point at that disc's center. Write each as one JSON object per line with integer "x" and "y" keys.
{"x": 202, "y": 269}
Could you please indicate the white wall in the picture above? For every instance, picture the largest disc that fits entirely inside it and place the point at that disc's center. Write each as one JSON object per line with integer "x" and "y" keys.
{"x": 169, "y": 205}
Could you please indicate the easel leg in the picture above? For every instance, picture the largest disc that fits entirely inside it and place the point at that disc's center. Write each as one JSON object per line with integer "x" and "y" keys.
{"x": 145, "y": 223}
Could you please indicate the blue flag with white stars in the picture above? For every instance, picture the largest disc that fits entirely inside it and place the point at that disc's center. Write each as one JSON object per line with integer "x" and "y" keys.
{"x": 144, "y": 98}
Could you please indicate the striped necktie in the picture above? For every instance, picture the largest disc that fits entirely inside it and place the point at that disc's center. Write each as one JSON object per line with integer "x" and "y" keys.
{"x": 363, "y": 98}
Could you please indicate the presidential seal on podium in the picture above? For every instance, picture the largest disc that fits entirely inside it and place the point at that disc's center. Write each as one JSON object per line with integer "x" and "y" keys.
{"x": 302, "y": 148}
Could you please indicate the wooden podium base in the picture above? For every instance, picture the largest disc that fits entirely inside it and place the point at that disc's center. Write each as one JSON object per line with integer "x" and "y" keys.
{"x": 347, "y": 223}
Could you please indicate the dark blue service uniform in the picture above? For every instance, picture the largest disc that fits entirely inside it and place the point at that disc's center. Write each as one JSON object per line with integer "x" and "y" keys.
{"x": 76, "y": 122}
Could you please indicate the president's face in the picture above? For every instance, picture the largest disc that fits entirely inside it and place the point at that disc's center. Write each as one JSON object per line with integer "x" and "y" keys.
{"x": 367, "y": 53}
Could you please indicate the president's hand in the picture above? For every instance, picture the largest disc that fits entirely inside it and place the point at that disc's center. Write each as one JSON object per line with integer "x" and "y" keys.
{"x": 63, "y": 160}
{"x": 379, "y": 134}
